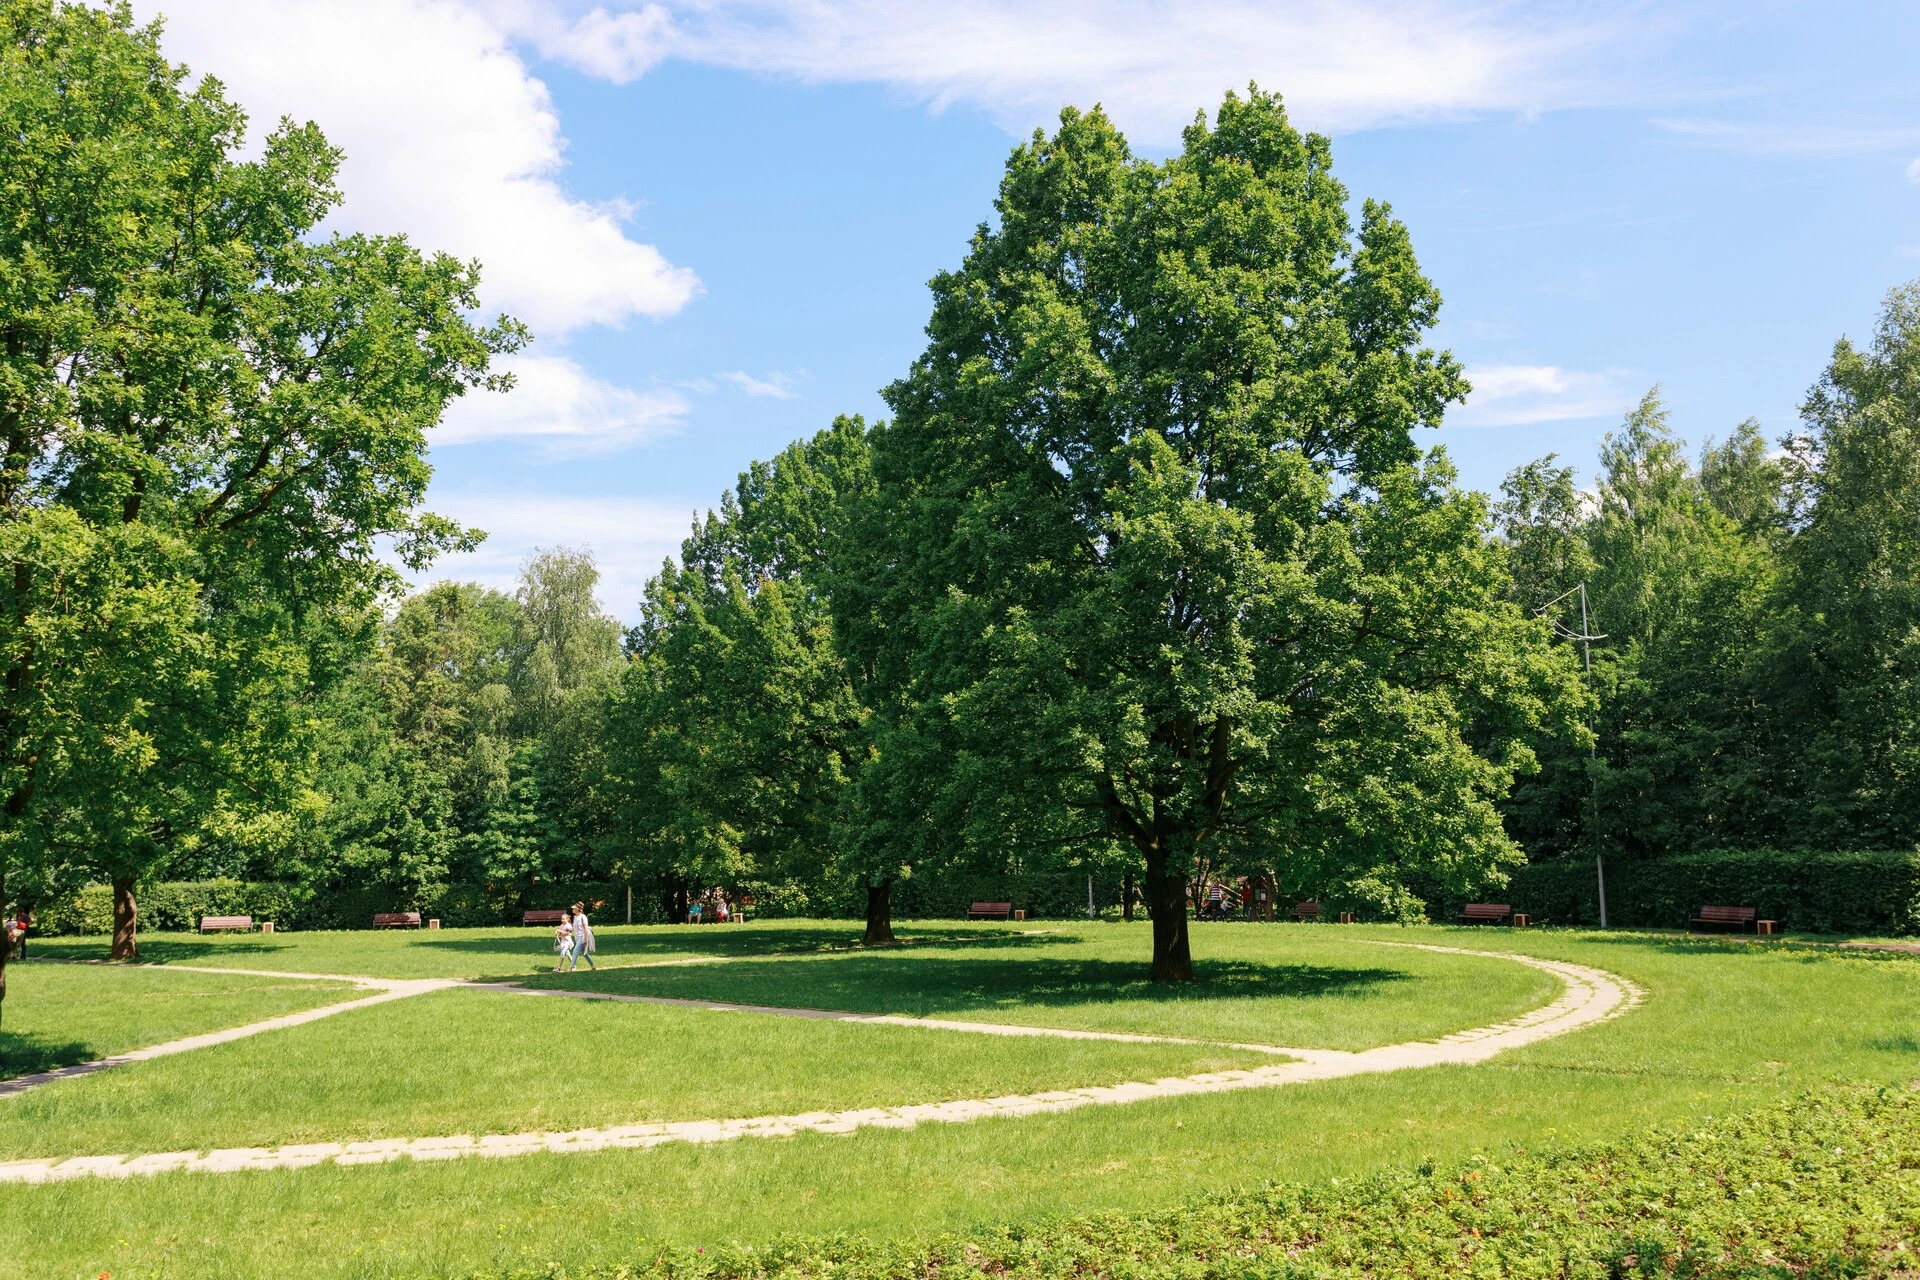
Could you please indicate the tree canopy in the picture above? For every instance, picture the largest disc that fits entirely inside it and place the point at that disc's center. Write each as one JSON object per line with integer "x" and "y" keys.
{"x": 1155, "y": 557}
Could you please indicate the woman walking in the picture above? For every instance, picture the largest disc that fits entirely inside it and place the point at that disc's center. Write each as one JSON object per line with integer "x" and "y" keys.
{"x": 582, "y": 938}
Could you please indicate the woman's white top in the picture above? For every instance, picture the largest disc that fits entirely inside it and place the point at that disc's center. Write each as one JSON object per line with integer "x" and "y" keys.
{"x": 584, "y": 932}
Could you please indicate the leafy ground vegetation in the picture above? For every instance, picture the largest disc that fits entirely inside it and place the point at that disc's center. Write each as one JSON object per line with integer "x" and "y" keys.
{"x": 1827, "y": 1184}
{"x": 1727, "y": 1027}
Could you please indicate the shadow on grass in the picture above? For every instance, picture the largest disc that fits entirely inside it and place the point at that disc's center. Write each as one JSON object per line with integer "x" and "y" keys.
{"x": 955, "y": 981}
{"x": 1701, "y": 944}
{"x": 24, "y": 1055}
{"x": 157, "y": 950}
{"x": 728, "y": 942}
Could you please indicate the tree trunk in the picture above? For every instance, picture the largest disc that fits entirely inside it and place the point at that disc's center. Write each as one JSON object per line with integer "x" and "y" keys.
{"x": 1126, "y": 898}
{"x": 879, "y": 912}
{"x": 1167, "y": 899}
{"x": 126, "y": 915}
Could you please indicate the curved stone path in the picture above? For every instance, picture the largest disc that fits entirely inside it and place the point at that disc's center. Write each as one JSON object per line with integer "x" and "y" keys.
{"x": 1590, "y": 996}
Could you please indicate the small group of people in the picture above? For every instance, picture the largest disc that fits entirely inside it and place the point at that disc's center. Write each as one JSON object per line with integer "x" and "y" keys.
{"x": 15, "y": 930}
{"x": 573, "y": 939}
{"x": 712, "y": 907}
{"x": 1252, "y": 894}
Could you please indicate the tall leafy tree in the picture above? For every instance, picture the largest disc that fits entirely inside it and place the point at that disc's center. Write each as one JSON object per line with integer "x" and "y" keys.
{"x": 1848, "y": 667}
{"x": 1155, "y": 558}
{"x": 210, "y": 416}
{"x": 737, "y": 729}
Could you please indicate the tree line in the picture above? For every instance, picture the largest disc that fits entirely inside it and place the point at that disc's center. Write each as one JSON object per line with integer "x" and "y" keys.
{"x": 1147, "y": 572}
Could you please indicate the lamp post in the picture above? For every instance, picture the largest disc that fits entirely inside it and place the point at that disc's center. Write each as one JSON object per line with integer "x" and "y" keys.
{"x": 1586, "y": 637}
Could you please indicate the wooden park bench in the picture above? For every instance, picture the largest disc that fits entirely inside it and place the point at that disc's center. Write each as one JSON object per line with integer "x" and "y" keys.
{"x": 1738, "y": 918}
{"x": 1485, "y": 913}
{"x": 214, "y": 924}
{"x": 396, "y": 920}
{"x": 1305, "y": 911}
{"x": 990, "y": 911}
{"x": 544, "y": 917}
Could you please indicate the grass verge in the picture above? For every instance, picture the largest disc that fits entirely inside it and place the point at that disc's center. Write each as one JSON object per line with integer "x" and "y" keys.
{"x": 57, "y": 1014}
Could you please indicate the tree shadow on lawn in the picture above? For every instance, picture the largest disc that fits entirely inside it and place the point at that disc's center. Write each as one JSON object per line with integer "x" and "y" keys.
{"x": 727, "y": 942}
{"x": 24, "y": 1055}
{"x": 1702, "y": 944}
{"x": 157, "y": 950}
{"x": 955, "y": 982}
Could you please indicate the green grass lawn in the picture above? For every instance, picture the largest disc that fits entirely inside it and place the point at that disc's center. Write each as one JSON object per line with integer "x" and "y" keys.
{"x": 59, "y": 1014}
{"x": 1310, "y": 986}
{"x": 1725, "y": 1026}
{"x": 489, "y": 1062}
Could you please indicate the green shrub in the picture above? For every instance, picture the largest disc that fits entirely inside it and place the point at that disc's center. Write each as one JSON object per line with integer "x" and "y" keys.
{"x": 1831, "y": 892}
{"x": 1826, "y": 1185}
{"x": 178, "y": 905}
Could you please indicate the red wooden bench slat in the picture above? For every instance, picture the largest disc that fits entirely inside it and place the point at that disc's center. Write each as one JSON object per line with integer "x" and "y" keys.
{"x": 1309, "y": 910}
{"x": 396, "y": 920}
{"x": 981, "y": 910}
{"x": 209, "y": 924}
{"x": 1737, "y": 917}
{"x": 1485, "y": 912}
{"x": 543, "y": 917}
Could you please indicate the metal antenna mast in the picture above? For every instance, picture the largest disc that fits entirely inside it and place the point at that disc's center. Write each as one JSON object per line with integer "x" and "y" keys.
{"x": 1586, "y": 637}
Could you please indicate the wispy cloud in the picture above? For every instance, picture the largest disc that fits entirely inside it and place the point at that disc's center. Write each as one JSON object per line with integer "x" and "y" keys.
{"x": 1913, "y": 172}
{"x": 1344, "y": 64}
{"x": 629, "y": 538}
{"x": 1795, "y": 138}
{"x": 1511, "y": 395}
{"x": 448, "y": 138}
{"x": 559, "y": 404}
{"x": 775, "y": 386}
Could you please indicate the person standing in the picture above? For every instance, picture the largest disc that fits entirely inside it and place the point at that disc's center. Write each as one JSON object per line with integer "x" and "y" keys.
{"x": 563, "y": 943}
{"x": 582, "y": 938}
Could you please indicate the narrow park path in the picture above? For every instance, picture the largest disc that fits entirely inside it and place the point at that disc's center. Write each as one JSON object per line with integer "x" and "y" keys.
{"x": 1589, "y": 996}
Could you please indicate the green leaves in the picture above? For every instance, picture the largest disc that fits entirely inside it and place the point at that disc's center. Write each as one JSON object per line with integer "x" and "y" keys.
{"x": 1154, "y": 557}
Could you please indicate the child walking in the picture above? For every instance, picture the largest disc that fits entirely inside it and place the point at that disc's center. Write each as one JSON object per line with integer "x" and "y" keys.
{"x": 582, "y": 938}
{"x": 563, "y": 943}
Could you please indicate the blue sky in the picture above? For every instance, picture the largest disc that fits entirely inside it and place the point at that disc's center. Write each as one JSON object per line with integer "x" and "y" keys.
{"x": 720, "y": 217}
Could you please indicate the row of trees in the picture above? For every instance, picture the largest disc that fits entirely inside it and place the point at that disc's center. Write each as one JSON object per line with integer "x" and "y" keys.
{"x": 1759, "y": 675}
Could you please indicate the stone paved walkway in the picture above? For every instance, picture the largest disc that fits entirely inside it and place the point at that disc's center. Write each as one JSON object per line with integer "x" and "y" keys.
{"x": 1590, "y": 996}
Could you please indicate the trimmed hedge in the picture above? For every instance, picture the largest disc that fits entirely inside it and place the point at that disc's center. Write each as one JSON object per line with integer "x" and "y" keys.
{"x": 1826, "y": 1185}
{"x": 1827, "y": 892}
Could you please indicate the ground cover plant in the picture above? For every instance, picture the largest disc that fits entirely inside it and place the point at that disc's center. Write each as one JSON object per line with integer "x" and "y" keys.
{"x": 63, "y": 1014}
{"x": 485, "y": 1062}
{"x": 1828, "y": 1183}
{"x": 1310, "y": 986}
{"x": 1726, "y": 1026}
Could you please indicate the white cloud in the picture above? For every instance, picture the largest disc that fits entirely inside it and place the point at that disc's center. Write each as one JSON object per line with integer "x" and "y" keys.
{"x": 557, "y": 402}
{"x": 629, "y": 538}
{"x": 1795, "y": 138}
{"x": 775, "y": 386}
{"x": 1343, "y": 64}
{"x": 1511, "y": 395}
{"x": 1913, "y": 172}
{"x": 448, "y": 138}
